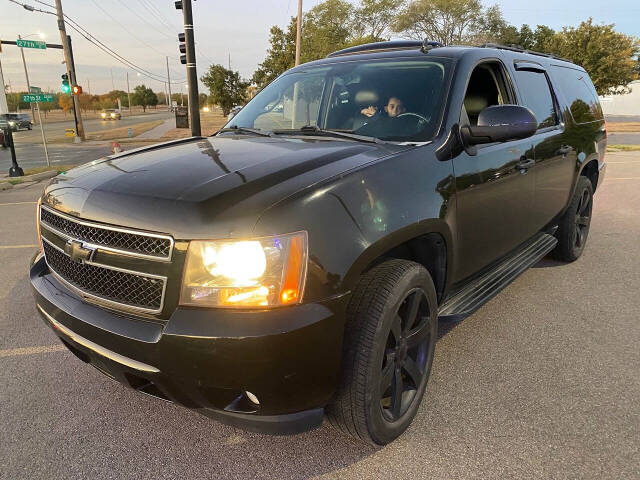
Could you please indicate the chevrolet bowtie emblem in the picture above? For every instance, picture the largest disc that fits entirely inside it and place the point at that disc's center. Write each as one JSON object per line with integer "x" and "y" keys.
{"x": 78, "y": 252}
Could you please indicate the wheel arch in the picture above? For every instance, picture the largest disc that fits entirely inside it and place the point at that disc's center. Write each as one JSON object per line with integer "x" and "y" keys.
{"x": 590, "y": 170}
{"x": 428, "y": 243}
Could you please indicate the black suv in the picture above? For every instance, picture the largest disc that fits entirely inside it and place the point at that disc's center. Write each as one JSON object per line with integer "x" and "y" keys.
{"x": 296, "y": 263}
{"x": 17, "y": 121}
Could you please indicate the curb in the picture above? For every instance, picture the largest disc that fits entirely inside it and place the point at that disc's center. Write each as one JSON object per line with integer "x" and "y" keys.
{"x": 36, "y": 177}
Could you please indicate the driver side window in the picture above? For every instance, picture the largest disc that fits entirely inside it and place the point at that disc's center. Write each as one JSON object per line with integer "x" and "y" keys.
{"x": 486, "y": 88}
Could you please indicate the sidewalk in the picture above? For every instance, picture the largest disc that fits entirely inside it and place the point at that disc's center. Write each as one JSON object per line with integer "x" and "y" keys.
{"x": 159, "y": 131}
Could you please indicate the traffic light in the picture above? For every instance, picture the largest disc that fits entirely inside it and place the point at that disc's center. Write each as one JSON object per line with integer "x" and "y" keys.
{"x": 77, "y": 89}
{"x": 178, "y": 4}
{"x": 183, "y": 49}
{"x": 65, "y": 83}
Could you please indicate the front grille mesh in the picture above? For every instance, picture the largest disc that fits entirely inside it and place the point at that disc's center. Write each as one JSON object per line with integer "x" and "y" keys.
{"x": 132, "y": 242}
{"x": 125, "y": 288}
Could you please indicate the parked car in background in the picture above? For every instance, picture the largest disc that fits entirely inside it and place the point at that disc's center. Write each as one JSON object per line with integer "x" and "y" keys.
{"x": 297, "y": 263}
{"x": 111, "y": 114}
{"x": 17, "y": 121}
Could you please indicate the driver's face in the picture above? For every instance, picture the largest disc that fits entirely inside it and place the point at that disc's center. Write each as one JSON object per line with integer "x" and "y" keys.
{"x": 395, "y": 107}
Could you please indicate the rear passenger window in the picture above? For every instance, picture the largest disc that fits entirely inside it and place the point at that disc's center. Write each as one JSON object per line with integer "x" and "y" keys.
{"x": 535, "y": 94}
{"x": 580, "y": 94}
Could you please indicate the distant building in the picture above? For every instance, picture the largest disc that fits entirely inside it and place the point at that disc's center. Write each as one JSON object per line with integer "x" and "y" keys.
{"x": 626, "y": 104}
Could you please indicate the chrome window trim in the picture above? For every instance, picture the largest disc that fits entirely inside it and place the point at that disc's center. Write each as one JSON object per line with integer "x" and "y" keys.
{"x": 113, "y": 229}
{"x": 99, "y": 349}
{"x": 105, "y": 301}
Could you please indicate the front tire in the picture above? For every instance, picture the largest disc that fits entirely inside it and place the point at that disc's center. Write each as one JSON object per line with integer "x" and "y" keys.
{"x": 573, "y": 229}
{"x": 392, "y": 324}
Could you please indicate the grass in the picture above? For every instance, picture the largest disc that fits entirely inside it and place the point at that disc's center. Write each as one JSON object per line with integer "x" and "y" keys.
{"x": 15, "y": 182}
{"x": 623, "y": 148}
{"x": 622, "y": 127}
{"x": 123, "y": 132}
{"x": 57, "y": 168}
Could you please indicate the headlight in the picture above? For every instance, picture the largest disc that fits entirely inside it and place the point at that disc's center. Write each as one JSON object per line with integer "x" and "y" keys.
{"x": 12, "y": 123}
{"x": 261, "y": 272}
{"x": 113, "y": 115}
{"x": 103, "y": 115}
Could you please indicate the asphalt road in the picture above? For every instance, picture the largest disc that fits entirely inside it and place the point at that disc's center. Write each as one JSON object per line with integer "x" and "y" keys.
{"x": 57, "y": 129}
{"x": 623, "y": 138}
{"x": 32, "y": 155}
{"x": 541, "y": 382}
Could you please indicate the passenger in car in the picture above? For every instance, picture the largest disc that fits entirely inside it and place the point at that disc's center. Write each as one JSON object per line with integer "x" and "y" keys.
{"x": 393, "y": 108}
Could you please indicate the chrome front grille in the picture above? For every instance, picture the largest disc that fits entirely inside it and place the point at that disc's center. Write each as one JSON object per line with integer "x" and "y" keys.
{"x": 105, "y": 284}
{"x": 94, "y": 276}
{"x": 107, "y": 237}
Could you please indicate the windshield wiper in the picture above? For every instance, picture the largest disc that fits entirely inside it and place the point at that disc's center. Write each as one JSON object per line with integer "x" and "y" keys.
{"x": 327, "y": 132}
{"x": 254, "y": 131}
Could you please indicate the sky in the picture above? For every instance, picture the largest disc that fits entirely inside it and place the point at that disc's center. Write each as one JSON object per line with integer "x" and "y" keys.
{"x": 145, "y": 32}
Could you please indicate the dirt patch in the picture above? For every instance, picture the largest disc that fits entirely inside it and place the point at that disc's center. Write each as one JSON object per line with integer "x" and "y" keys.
{"x": 210, "y": 123}
{"x": 123, "y": 132}
{"x": 620, "y": 127}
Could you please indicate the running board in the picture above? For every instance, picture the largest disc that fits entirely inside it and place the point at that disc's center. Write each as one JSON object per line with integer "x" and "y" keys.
{"x": 475, "y": 294}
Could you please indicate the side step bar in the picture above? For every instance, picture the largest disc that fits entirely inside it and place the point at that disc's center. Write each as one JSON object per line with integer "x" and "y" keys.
{"x": 479, "y": 291}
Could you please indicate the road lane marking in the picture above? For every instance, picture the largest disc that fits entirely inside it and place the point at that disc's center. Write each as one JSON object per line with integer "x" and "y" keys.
{"x": 624, "y": 178}
{"x": 17, "y": 203}
{"x": 15, "y": 352}
{"x": 19, "y": 246}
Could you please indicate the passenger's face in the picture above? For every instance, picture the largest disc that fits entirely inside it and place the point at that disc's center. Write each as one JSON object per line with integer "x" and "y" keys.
{"x": 395, "y": 107}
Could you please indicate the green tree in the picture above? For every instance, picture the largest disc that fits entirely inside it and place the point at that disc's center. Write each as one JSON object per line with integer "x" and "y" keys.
{"x": 65, "y": 102}
{"x": 144, "y": 97}
{"x": 608, "y": 56}
{"x": 280, "y": 55}
{"x": 226, "y": 88}
{"x": 373, "y": 18}
{"x": 446, "y": 21}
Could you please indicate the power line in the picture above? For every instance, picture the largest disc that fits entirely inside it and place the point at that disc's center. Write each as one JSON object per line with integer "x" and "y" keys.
{"x": 157, "y": 14}
{"x": 154, "y": 27}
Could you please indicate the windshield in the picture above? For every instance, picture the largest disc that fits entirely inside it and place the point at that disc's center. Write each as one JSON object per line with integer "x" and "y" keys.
{"x": 396, "y": 100}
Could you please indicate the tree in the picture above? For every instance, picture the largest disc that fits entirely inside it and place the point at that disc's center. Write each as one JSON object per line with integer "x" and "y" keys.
{"x": 144, "y": 97}
{"x": 608, "y": 56}
{"x": 65, "y": 102}
{"x": 226, "y": 88}
{"x": 445, "y": 21}
{"x": 280, "y": 55}
{"x": 373, "y": 18}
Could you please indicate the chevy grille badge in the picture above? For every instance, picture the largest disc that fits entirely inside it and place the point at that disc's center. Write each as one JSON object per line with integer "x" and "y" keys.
{"x": 78, "y": 252}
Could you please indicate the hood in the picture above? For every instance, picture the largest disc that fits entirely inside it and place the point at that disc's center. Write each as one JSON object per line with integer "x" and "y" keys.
{"x": 212, "y": 187}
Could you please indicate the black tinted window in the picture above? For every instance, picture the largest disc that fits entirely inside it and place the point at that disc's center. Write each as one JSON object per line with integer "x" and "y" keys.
{"x": 580, "y": 94}
{"x": 535, "y": 94}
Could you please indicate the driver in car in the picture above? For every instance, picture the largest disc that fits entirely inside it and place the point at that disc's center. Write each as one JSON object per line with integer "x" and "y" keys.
{"x": 393, "y": 108}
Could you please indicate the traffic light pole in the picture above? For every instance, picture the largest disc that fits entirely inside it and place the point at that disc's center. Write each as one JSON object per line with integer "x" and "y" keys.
{"x": 76, "y": 100}
{"x": 68, "y": 58}
{"x": 192, "y": 75}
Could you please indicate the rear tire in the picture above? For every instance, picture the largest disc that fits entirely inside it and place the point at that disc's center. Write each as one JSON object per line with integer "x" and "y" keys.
{"x": 392, "y": 324}
{"x": 573, "y": 229}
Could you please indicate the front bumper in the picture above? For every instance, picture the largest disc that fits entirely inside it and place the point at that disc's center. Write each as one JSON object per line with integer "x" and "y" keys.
{"x": 289, "y": 358}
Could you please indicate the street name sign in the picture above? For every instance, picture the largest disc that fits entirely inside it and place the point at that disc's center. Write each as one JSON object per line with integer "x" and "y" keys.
{"x": 31, "y": 44}
{"x": 37, "y": 97}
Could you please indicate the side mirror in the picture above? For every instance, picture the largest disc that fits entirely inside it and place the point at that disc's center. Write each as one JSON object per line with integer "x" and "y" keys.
{"x": 500, "y": 123}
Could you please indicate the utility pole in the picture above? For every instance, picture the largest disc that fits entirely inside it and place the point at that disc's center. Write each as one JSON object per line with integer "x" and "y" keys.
{"x": 44, "y": 139}
{"x": 71, "y": 71}
{"x": 169, "y": 85}
{"x": 4, "y": 108}
{"x": 298, "y": 32}
{"x": 128, "y": 93}
{"x": 24, "y": 64}
{"x": 76, "y": 105}
{"x": 192, "y": 75}
{"x": 88, "y": 87}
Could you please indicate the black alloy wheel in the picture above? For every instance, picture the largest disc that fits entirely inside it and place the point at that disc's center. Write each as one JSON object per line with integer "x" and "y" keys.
{"x": 389, "y": 344}
{"x": 573, "y": 227}
{"x": 409, "y": 345}
{"x": 582, "y": 218}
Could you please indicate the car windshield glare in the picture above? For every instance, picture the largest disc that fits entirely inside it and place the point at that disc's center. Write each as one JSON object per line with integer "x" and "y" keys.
{"x": 392, "y": 100}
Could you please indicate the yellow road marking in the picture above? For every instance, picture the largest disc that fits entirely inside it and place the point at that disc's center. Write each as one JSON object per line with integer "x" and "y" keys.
{"x": 18, "y": 203}
{"x": 18, "y": 246}
{"x": 624, "y": 178}
{"x": 14, "y": 352}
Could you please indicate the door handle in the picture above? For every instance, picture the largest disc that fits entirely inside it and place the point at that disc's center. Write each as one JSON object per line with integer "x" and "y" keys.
{"x": 564, "y": 149}
{"x": 525, "y": 164}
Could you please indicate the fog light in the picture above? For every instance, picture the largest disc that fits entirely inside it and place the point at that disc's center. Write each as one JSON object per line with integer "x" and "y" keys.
{"x": 252, "y": 397}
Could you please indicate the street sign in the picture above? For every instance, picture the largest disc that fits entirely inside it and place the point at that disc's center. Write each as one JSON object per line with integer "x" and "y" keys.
{"x": 33, "y": 89}
{"x": 31, "y": 44}
{"x": 37, "y": 97}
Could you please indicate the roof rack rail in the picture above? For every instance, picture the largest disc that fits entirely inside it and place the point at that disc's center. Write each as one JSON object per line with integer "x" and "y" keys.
{"x": 424, "y": 47}
{"x": 518, "y": 48}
